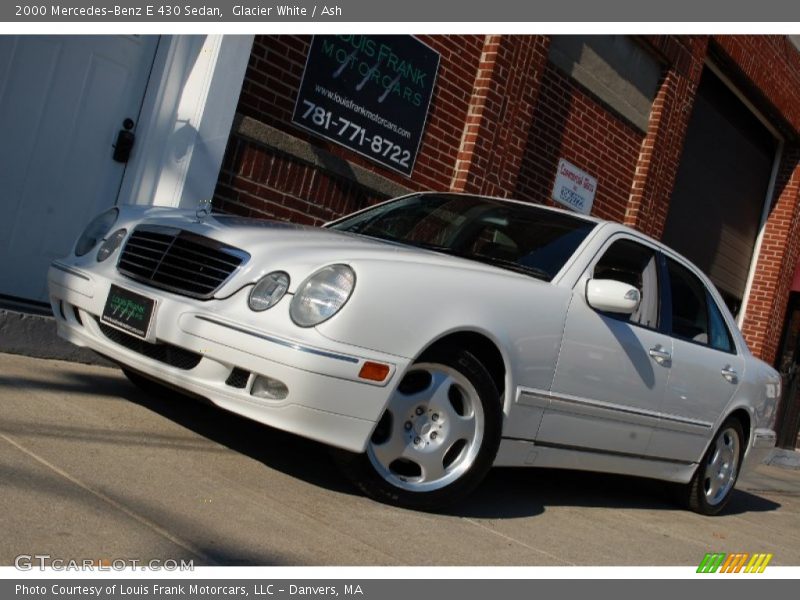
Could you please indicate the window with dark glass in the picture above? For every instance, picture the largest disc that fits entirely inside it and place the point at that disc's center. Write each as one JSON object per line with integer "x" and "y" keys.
{"x": 720, "y": 334}
{"x": 689, "y": 306}
{"x": 510, "y": 235}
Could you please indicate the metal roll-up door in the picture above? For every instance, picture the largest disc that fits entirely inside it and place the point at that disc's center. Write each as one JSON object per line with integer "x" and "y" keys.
{"x": 722, "y": 182}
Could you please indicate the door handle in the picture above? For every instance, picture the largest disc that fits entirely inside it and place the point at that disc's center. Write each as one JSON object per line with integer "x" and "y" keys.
{"x": 659, "y": 354}
{"x": 729, "y": 374}
{"x": 125, "y": 141}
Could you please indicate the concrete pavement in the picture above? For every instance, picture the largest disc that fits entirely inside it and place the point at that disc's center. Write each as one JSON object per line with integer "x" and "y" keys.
{"x": 92, "y": 467}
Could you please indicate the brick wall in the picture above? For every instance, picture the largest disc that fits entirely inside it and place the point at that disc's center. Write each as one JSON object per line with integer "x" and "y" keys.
{"x": 662, "y": 146}
{"x": 570, "y": 123}
{"x": 780, "y": 251}
{"x": 768, "y": 66}
{"x": 500, "y": 114}
{"x": 256, "y": 180}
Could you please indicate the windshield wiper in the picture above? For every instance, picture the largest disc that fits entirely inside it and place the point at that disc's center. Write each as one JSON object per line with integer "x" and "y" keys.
{"x": 513, "y": 266}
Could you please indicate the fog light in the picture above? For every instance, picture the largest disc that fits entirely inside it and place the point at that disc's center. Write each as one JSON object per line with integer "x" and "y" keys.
{"x": 269, "y": 388}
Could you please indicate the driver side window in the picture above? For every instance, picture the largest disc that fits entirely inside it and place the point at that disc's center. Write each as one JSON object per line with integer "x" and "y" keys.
{"x": 635, "y": 264}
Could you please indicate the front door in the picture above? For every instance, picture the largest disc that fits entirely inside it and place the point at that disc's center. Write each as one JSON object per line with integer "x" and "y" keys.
{"x": 612, "y": 371}
{"x": 63, "y": 100}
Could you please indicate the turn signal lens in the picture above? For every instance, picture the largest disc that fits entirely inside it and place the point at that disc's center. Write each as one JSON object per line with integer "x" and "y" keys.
{"x": 374, "y": 371}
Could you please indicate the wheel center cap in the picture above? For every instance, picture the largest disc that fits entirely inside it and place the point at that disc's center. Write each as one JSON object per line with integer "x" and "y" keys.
{"x": 424, "y": 428}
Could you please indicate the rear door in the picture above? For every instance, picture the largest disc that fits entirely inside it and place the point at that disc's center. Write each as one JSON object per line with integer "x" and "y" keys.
{"x": 706, "y": 368}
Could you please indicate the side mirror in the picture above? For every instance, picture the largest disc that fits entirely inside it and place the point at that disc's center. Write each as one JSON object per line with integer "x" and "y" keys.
{"x": 608, "y": 295}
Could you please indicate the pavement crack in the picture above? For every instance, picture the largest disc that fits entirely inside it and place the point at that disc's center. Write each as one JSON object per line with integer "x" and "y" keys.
{"x": 516, "y": 541}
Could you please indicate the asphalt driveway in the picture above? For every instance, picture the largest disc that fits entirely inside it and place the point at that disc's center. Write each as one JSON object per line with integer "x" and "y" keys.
{"x": 92, "y": 467}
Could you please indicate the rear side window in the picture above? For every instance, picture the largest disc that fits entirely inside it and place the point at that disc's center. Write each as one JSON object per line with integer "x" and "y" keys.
{"x": 695, "y": 315}
{"x": 720, "y": 334}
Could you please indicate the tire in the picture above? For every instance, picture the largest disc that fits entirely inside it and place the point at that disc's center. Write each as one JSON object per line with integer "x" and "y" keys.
{"x": 712, "y": 483}
{"x": 437, "y": 438}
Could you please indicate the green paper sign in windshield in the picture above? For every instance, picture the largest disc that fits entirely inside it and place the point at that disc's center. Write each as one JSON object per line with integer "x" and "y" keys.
{"x": 369, "y": 93}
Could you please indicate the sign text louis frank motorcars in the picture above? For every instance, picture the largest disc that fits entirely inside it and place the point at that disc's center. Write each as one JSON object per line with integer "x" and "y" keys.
{"x": 369, "y": 93}
{"x": 574, "y": 188}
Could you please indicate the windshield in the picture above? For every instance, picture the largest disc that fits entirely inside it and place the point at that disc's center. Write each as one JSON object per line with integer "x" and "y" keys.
{"x": 519, "y": 237}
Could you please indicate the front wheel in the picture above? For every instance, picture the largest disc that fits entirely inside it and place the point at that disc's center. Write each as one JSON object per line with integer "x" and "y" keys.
{"x": 710, "y": 488}
{"x": 437, "y": 438}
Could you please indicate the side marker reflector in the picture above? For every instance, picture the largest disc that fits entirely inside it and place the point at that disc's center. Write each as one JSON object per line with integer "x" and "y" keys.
{"x": 374, "y": 371}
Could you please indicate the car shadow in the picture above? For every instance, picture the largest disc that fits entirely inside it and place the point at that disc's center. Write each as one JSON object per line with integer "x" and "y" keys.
{"x": 506, "y": 493}
{"x": 290, "y": 454}
{"x": 518, "y": 492}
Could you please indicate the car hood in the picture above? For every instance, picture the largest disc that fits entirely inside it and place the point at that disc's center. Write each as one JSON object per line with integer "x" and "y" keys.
{"x": 298, "y": 249}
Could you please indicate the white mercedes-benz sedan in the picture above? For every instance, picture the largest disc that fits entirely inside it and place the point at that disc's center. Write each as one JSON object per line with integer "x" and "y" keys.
{"x": 433, "y": 336}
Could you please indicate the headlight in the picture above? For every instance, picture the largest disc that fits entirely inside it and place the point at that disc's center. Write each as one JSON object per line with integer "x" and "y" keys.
{"x": 268, "y": 291}
{"x": 95, "y": 231}
{"x": 113, "y": 242}
{"x": 322, "y": 295}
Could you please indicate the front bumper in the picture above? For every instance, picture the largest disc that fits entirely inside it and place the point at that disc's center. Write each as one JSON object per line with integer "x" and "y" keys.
{"x": 217, "y": 348}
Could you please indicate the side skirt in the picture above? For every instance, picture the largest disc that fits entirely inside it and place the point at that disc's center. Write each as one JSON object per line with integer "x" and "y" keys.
{"x": 524, "y": 453}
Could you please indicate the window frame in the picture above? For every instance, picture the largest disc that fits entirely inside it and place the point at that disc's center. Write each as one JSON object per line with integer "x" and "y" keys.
{"x": 709, "y": 297}
{"x": 731, "y": 341}
{"x": 588, "y": 274}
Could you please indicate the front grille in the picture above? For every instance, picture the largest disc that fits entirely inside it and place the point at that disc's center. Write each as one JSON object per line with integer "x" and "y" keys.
{"x": 178, "y": 261}
{"x": 168, "y": 354}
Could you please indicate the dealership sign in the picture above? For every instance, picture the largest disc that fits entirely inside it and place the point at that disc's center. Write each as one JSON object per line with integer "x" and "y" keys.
{"x": 574, "y": 188}
{"x": 369, "y": 93}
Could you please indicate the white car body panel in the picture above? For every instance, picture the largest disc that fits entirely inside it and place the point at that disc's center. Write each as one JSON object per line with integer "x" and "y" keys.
{"x": 580, "y": 390}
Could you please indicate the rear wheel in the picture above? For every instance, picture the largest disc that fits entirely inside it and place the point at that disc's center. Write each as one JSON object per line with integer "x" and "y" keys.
{"x": 437, "y": 438}
{"x": 710, "y": 488}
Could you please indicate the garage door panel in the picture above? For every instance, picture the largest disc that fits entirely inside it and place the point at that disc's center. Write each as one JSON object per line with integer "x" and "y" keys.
{"x": 721, "y": 186}
{"x": 62, "y": 101}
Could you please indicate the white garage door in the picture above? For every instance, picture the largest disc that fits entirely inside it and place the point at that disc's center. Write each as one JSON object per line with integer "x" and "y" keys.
{"x": 63, "y": 100}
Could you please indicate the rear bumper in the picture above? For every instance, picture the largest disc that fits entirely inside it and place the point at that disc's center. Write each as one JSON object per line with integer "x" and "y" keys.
{"x": 761, "y": 447}
{"x": 199, "y": 344}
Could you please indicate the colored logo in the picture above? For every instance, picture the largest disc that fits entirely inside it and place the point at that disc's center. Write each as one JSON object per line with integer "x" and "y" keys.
{"x": 740, "y": 562}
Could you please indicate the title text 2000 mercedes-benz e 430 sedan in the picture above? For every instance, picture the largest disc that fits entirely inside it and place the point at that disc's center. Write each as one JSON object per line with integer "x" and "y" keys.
{"x": 433, "y": 336}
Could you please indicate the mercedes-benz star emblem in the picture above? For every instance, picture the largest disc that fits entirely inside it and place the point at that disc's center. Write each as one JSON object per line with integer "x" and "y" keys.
{"x": 203, "y": 210}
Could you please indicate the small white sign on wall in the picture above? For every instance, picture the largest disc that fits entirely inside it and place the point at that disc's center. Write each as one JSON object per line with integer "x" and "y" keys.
{"x": 574, "y": 188}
